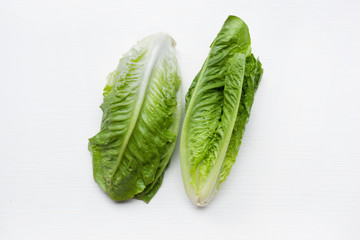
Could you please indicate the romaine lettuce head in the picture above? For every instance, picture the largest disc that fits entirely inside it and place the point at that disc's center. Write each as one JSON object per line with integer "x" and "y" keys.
{"x": 218, "y": 106}
{"x": 141, "y": 117}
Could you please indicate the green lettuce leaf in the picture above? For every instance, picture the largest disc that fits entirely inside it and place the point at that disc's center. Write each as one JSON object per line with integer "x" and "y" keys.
{"x": 141, "y": 117}
{"x": 218, "y": 106}
{"x": 253, "y": 74}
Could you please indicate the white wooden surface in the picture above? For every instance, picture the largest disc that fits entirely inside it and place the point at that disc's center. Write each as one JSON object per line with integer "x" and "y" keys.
{"x": 298, "y": 170}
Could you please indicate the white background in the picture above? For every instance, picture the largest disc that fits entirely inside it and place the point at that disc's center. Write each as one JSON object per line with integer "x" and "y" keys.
{"x": 298, "y": 170}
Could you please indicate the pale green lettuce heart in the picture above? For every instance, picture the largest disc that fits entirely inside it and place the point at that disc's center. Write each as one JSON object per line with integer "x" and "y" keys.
{"x": 141, "y": 117}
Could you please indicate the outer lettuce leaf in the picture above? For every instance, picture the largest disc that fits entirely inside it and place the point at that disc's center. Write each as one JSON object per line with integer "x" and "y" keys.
{"x": 217, "y": 107}
{"x": 141, "y": 117}
{"x": 253, "y": 74}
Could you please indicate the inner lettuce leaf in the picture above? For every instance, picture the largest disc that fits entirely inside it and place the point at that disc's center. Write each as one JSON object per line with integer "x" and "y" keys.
{"x": 218, "y": 106}
{"x": 140, "y": 123}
